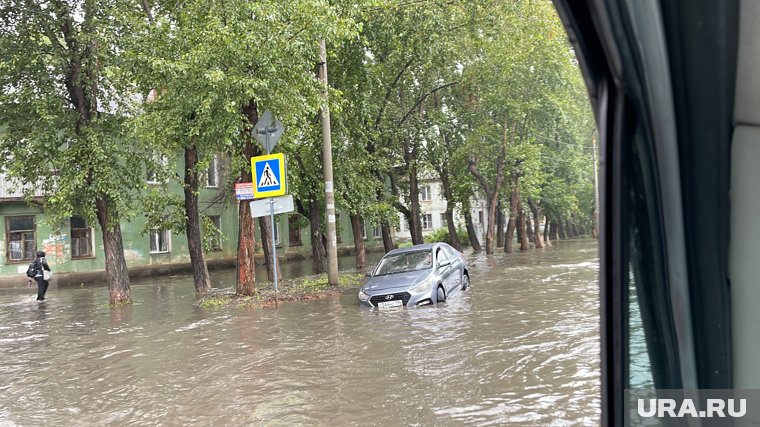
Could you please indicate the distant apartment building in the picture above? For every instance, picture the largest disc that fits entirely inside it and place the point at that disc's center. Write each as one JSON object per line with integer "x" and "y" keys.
{"x": 433, "y": 207}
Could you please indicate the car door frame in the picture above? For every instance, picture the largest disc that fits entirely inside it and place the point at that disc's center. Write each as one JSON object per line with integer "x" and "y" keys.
{"x": 700, "y": 46}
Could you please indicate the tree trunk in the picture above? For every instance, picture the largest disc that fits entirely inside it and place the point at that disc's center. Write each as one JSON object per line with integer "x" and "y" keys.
{"x": 361, "y": 254}
{"x": 509, "y": 238}
{"x": 193, "y": 223}
{"x": 537, "y": 240}
{"x": 493, "y": 196}
{"x": 388, "y": 244}
{"x": 265, "y": 228}
{"x": 246, "y": 274}
{"x": 560, "y": 229}
{"x": 471, "y": 233}
{"x": 529, "y": 228}
{"x": 117, "y": 275}
{"x": 514, "y": 213}
{"x": 576, "y": 233}
{"x": 450, "y": 203}
{"x": 522, "y": 233}
{"x": 415, "y": 224}
{"x": 318, "y": 251}
{"x": 500, "y": 219}
{"x": 246, "y": 265}
{"x": 546, "y": 232}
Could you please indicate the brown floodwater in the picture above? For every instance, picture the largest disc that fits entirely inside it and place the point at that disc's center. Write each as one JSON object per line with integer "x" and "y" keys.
{"x": 520, "y": 347}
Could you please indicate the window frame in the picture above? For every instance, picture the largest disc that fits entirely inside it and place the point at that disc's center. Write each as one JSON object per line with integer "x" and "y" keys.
{"x": 23, "y": 240}
{"x": 89, "y": 238}
{"x": 427, "y": 221}
{"x": 426, "y": 193}
{"x": 167, "y": 236}
{"x": 213, "y": 171}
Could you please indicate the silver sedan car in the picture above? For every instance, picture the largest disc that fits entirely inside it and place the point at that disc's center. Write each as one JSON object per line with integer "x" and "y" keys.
{"x": 415, "y": 276}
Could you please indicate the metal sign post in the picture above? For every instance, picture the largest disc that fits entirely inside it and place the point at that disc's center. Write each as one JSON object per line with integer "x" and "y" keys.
{"x": 271, "y": 130}
{"x": 274, "y": 250}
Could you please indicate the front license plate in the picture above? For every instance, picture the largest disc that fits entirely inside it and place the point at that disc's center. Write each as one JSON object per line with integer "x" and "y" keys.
{"x": 390, "y": 304}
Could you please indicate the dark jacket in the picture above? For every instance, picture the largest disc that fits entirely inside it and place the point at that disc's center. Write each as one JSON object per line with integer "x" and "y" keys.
{"x": 40, "y": 264}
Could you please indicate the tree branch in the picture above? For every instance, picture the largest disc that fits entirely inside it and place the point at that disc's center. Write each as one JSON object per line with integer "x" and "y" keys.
{"x": 390, "y": 90}
{"x": 146, "y": 8}
{"x": 422, "y": 98}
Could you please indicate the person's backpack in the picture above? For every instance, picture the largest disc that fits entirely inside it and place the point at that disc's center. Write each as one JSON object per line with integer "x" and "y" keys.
{"x": 31, "y": 271}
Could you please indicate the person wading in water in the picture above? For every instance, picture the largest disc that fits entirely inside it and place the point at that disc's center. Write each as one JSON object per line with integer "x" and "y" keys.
{"x": 40, "y": 264}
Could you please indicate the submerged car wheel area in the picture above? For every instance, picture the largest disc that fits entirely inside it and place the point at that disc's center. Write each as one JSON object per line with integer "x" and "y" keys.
{"x": 415, "y": 276}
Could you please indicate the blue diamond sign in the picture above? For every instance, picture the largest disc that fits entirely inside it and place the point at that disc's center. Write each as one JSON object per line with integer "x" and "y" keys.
{"x": 268, "y": 175}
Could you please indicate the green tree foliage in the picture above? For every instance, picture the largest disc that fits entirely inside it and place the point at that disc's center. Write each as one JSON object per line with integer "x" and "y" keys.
{"x": 63, "y": 107}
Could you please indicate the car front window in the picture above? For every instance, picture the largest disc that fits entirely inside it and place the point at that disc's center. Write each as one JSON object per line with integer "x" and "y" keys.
{"x": 404, "y": 262}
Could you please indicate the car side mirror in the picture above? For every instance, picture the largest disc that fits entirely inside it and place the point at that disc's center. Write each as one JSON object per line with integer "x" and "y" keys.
{"x": 444, "y": 263}
{"x": 369, "y": 274}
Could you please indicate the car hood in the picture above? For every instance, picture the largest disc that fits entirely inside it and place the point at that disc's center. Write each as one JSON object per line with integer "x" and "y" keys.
{"x": 396, "y": 281}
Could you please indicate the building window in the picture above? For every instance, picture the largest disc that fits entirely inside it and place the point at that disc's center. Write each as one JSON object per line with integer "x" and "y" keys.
{"x": 81, "y": 238}
{"x": 154, "y": 169}
{"x": 426, "y": 193}
{"x": 21, "y": 232}
{"x": 160, "y": 241}
{"x": 427, "y": 221}
{"x": 294, "y": 230}
{"x": 378, "y": 231}
{"x": 212, "y": 175}
{"x": 444, "y": 221}
{"x": 364, "y": 230}
{"x": 215, "y": 240}
{"x": 480, "y": 217}
{"x": 276, "y": 232}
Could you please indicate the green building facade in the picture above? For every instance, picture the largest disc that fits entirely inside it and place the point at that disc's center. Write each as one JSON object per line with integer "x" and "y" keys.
{"x": 74, "y": 248}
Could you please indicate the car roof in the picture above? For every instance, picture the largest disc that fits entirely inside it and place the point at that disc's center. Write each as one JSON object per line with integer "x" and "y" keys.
{"x": 415, "y": 248}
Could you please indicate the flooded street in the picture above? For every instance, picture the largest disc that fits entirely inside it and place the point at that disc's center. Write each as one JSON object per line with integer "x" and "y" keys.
{"x": 520, "y": 347}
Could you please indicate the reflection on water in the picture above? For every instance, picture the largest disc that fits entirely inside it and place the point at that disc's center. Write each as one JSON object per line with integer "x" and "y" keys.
{"x": 520, "y": 347}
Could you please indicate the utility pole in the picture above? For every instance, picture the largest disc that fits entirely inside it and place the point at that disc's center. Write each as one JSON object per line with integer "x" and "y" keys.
{"x": 596, "y": 188}
{"x": 332, "y": 243}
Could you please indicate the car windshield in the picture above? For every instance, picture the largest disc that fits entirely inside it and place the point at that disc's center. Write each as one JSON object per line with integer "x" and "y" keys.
{"x": 406, "y": 261}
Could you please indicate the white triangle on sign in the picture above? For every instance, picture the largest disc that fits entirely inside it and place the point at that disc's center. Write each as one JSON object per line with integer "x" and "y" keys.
{"x": 267, "y": 177}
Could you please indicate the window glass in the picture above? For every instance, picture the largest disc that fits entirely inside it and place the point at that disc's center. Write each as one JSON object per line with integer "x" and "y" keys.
{"x": 425, "y": 193}
{"x": 640, "y": 368}
{"x": 159, "y": 241}
{"x": 21, "y": 240}
{"x": 81, "y": 238}
{"x": 212, "y": 175}
{"x": 427, "y": 221}
{"x": 649, "y": 337}
{"x": 442, "y": 254}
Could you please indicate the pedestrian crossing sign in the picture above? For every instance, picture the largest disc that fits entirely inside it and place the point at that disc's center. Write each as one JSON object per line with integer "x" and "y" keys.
{"x": 268, "y": 175}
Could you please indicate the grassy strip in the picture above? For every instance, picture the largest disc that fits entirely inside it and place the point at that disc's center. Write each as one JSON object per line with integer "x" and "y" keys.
{"x": 299, "y": 289}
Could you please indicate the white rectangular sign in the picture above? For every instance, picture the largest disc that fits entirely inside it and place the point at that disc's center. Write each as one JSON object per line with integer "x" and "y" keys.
{"x": 281, "y": 204}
